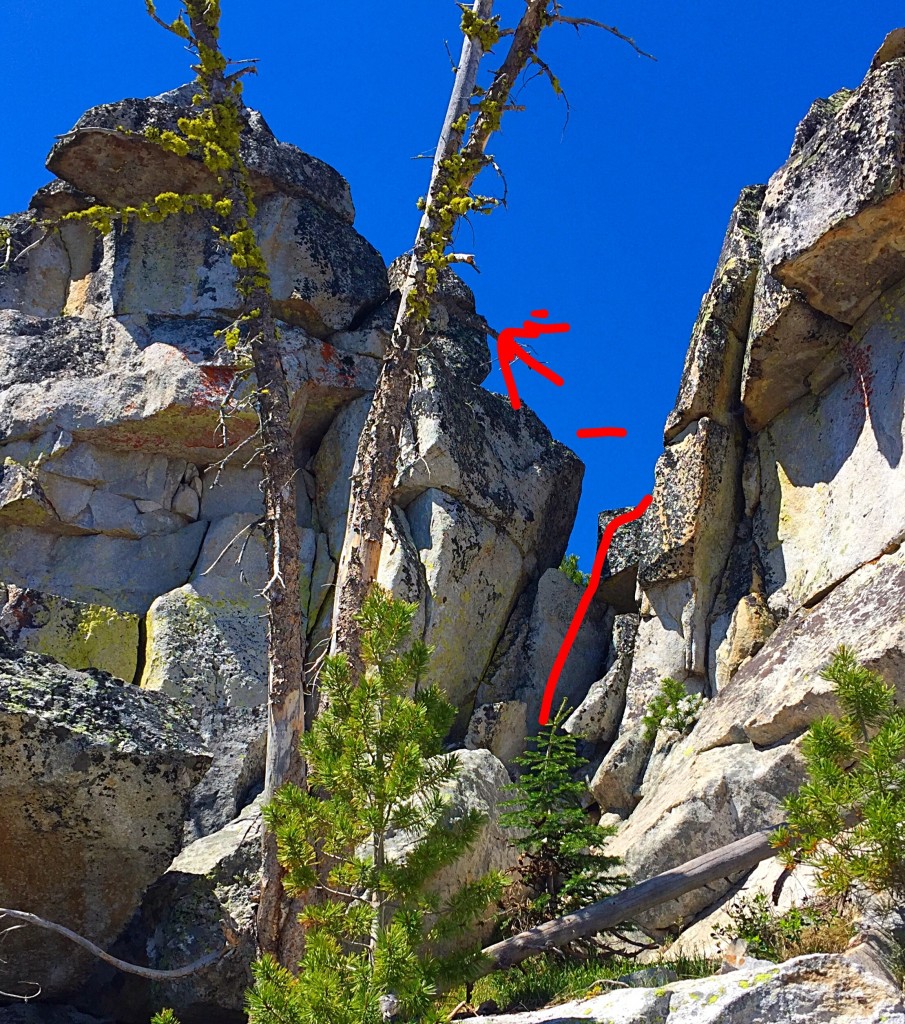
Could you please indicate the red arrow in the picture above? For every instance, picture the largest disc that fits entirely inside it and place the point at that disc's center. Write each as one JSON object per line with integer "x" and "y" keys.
{"x": 508, "y": 350}
{"x": 612, "y": 526}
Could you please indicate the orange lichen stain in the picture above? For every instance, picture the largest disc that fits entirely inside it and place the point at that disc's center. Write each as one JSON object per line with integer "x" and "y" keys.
{"x": 215, "y": 383}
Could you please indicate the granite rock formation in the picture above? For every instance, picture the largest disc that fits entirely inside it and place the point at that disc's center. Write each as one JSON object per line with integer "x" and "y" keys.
{"x": 777, "y": 519}
{"x": 130, "y": 507}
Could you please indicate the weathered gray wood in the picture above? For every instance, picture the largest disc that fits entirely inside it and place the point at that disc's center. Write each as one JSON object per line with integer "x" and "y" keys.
{"x": 122, "y": 965}
{"x": 741, "y": 855}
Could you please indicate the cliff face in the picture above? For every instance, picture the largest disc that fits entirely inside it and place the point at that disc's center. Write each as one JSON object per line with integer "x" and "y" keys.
{"x": 130, "y": 502}
{"x": 129, "y": 541}
{"x": 778, "y": 513}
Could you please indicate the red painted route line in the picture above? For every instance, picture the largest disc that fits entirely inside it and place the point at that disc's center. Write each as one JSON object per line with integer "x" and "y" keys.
{"x": 590, "y": 590}
{"x": 602, "y": 432}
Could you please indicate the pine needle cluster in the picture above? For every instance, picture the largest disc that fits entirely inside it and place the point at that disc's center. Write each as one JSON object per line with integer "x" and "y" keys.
{"x": 374, "y": 932}
{"x": 562, "y": 865}
{"x": 848, "y": 819}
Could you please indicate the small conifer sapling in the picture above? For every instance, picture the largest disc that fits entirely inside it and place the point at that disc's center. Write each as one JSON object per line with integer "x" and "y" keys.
{"x": 562, "y": 865}
{"x": 375, "y": 935}
{"x": 848, "y": 819}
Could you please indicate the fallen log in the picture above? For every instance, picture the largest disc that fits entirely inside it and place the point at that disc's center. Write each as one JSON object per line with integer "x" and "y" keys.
{"x": 741, "y": 855}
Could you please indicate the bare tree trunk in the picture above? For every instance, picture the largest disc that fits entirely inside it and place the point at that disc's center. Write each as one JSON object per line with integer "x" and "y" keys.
{"x": 374, "y": 476}
{"x": 285, "y": 638}
{"x": 739, "y": 856}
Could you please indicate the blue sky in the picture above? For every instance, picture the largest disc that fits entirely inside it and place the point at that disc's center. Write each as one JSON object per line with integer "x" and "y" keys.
{"x": 614, "y": 223}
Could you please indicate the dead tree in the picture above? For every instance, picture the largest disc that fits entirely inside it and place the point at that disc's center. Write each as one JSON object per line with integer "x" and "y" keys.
{"x": 215, "y": 133}
{"x": 457, "y": 163}
{"x": 737, "y": 857}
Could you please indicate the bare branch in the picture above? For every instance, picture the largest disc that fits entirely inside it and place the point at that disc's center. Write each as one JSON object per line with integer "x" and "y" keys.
{"x": 576, "y": 23}
{"x": 80, "y": 940}
{"x": 250, "y": 526}
{"x": 169, "y": 28}
{"x": 556, "y": 84}
{"x": 465, "y": 257}
{"x": 236, "y": 75}
{"x": 34, "y": 245}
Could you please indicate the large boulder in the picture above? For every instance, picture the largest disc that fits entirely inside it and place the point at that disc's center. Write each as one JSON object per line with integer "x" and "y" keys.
{"x": 820, "y": 988}
{"x": 779, "y": 692}
{"x": 832, "y": 216}
{"x": 502, "y": 464}
{"x": 831, "y": 486}
{"x": 471, "y": 571}
{"x": 108, "y": 155}
{"x": 205, "y": 901}
{"x": 791, "y": 349}
{"x": 531, "y": 643}
{"x": 95, "y": 777}
{"x": 77, "y": 635}
{"x": 693, "y": 802}
{"x": 480, "y": 785}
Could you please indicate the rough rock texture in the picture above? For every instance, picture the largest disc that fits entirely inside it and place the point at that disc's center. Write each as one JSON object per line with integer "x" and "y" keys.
{"x": 531, "y": 643}
{"x": 95, "y": 777}
{"x": 130, "y": 507}
{"x": 814, "y": 523}
{"x": 94, "y": 154}
{"x": 819, "y": 989}
{"x": 713, "y": 365}
{"x": 502, "y": 464}
{"x": 480, "y": 786}
{"x": 598, "y": 716}
{"x": 832, "y": 223}
{"x": 205, "y": 900}
{"x": 43, "y": 1013}
{"x": 619, "y": 577}
{"x": 788, "y": 340}
{"x": 79, "y": 635}
{"x": 778, "y": 515}
{"x": 779, "y": 691}
{"x": 773, "y": 536}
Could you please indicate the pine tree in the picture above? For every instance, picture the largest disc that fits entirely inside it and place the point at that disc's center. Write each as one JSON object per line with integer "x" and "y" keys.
{"x": 562, "y": 866}
{"x": 848, "y": 819}
{"x": 374, "y": 933}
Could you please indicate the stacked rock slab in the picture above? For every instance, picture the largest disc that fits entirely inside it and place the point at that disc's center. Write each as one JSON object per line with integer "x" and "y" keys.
{"x": 112, "y": 383}
{"x": 130, "y": 498}
{"x": 779, "y": 502}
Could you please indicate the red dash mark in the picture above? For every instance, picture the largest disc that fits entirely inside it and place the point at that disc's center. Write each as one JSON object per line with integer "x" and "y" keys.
{"x": 508, "y": 350}
{"x": 602, "y": 432}
{"x": 590, "y": 590}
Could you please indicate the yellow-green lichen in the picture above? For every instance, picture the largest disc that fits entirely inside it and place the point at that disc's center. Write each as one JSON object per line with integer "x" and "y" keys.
{"x": 87, "y": 636}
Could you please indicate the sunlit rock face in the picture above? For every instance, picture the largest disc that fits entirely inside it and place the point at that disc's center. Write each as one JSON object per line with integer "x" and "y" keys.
{"x": 778, "y": 514}
{"x": 131, "y": 511}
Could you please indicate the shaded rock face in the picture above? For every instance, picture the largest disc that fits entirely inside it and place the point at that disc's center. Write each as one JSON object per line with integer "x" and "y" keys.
{"x": 95, "y": 778}
{"x": 210, "y": 890}
{"x": 777, "y": 519}
{"x": 529, "y": 648}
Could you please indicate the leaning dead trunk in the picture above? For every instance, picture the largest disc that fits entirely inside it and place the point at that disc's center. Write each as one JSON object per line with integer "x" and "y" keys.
{"x": 739, "y": 856}
{"x": 449, "y": 197}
